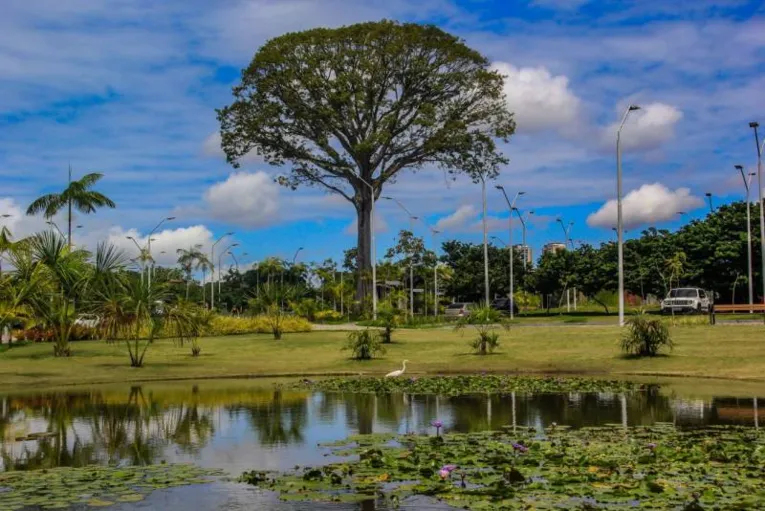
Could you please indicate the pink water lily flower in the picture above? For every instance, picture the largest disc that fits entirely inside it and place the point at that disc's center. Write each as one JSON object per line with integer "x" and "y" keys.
{"x": 446, "y": 471}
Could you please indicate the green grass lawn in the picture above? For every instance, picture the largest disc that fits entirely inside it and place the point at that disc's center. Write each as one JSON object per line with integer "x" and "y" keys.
{"x": 736, "y": 352}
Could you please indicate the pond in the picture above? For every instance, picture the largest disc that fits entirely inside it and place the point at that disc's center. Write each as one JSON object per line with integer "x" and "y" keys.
{"x": 240, "y": 425}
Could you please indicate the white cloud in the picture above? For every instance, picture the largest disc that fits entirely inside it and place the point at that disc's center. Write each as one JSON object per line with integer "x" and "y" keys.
{"x": 539, "y": 99}
{"x": 245, "y": 199}
{"x": 649, "y": 204}
{"x": 647, "y": 128}
{"x": 458, "y": 219}
{"x": 167, "y": 241}
{"x": 211, "y": 147}
{"x": 18, "y": 223}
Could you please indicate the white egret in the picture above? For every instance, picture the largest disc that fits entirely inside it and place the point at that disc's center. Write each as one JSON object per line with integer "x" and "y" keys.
{"x": 394, "y": 374}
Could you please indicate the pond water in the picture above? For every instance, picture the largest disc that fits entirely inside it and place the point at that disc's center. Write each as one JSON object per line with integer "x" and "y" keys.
{"x": 244, "y": 425}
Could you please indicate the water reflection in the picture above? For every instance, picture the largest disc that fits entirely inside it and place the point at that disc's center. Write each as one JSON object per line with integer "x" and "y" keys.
{"x": 244, "y": 427}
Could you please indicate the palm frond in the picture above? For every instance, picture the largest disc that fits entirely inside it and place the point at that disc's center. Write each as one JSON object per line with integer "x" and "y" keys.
{"x": 49, "y": 205}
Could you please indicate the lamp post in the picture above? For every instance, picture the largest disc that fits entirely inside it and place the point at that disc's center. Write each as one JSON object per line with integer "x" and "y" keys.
{"x": 212, "y": 273}
{"x": 412, "y": 219}
{"x": 53, "y": 224}
{"x": 754, "y": 126}
{"x": 225, "y": 251}
{"x": 747, "y": 184}
{"x": 433, "y": 233}
{"x": 709, "y": 199}
{"x": 294, "y": 257}
{"x": 619, "y": 220}
{"x": 148, "y": 244}
{"x": 141, "y": 252}
{"x": 523, "y": 224}
{"x": 566, "y": 231}
{"x": 510, "y": 205}
{"x": 484, "y": 221}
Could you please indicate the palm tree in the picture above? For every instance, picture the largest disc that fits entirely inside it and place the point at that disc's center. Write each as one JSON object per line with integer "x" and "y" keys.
{"x": 189, "y": 260}
{"x": 78, "y": 195}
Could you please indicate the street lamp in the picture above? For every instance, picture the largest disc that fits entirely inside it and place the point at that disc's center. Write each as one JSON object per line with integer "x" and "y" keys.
{"x": 53, "y": 224}
{"x": 412, "y": 219}
{"x": 148, "y": 244}
{"x": 510, "y": 205}
{"x": 212, "y": 273}
{"x": 220, "y": 261}
{"x": 619, "y": 220}
{"x": 294, "y": 258}
{"x": 566, "y": 231}
{"x": 433, "y": 233}
{"x": 747, "y": 178}
{"x": 754, "y": 126}
{"x": 523, "y": 224}
{"x": 709, "y": 198}
{"x": 497, "y": 239}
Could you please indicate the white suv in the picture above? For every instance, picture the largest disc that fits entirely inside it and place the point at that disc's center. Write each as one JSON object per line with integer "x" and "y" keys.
{"x": 685, "y": 299}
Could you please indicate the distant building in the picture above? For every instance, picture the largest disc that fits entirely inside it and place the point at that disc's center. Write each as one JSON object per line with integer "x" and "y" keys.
{"x": 553, "y": 247}
{"x": 525, "y": 252}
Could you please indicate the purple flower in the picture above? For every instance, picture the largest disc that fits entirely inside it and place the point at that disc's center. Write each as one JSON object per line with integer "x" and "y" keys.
{"x": 651, "y": 446}
{"x": 520, "y": 448}
{"x": 438, "y": 425}
{"x": 412, "y": 379}
{"x": 446, "y": 471}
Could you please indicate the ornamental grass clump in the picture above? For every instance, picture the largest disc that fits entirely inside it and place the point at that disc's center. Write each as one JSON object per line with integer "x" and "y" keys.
{"x": 485, "y": 320}
{"x": 646, "y": 336}
{"x": 364, "y": 344}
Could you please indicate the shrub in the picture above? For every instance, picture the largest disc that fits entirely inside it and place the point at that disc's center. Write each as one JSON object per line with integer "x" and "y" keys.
{"x": 646, "y": 336}
{"x": 364, "y": 344}
{"x": 328, "y": 315}
{"x": 388, "y": 318}
{"x": 306, "y": 308}
{"x": 483, "y": 319}
{"x": 231, "y": 325}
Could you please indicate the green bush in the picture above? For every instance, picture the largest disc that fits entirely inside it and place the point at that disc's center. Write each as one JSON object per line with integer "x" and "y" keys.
{"x": 306, "y": 308}
{"x": 364, "y": 344}
{"x": 645, "y": 336}
{"x": 389, "y": 319}
{"x": 484, "y": 319}
{"x": 328, "y": 315}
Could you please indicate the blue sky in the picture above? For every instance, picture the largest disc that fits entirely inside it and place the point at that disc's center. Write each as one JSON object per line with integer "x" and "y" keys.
{"x": 129, "y": 88}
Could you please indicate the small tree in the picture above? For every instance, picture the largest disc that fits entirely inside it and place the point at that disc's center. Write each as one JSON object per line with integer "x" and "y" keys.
{"x": 484, "y": 319}
{"x": 364, "y": 344}
{"x": 646, "y": 336}
{"x": 184, "y": 322}
{"x": 389, "y": 319}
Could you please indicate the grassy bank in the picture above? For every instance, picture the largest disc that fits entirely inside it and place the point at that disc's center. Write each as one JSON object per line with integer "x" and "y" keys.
{"x": 736, "y": 352}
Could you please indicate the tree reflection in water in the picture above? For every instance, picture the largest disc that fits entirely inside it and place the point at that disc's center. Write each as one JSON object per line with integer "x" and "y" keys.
{"x": 279, "y": 420}
{"x": 139, "y": 425}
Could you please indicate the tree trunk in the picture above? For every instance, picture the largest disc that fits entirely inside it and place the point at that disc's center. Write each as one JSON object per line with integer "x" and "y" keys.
{"x": 364, "y": 244}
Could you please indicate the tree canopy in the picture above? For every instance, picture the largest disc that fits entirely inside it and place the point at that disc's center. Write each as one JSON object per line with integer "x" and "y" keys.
{"x": 347, "y": 109}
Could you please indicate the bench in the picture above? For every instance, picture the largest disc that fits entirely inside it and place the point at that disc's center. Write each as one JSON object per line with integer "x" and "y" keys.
{"x": 745, "y": 308}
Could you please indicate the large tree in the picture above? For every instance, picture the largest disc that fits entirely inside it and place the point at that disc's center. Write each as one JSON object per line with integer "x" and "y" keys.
{"x": 348, "y": 109}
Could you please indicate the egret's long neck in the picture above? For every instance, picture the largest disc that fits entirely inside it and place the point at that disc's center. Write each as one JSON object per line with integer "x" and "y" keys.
{"x": 404, "y": 368}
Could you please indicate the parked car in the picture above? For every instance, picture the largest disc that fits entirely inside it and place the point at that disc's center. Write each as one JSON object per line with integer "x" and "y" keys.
{"x": 87, "y": 320}
{"x": 458, "y": 309}
{"x": 503, "y": 305}
{"x": 686, "y": 300}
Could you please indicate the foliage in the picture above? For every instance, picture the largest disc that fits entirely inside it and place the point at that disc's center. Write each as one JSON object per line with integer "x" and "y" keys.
{"x": 274, "y": 317}
{"x": 231, "y": 325}
{"x": 365, "y": 102}
{"x": 63, "y": 488}
{"x": 389, "y": 319}
{"x": 77, "y": 195}
{"x": 657, "y": 467}
{"x": 328, "y": 316}
{"x": 364, "y": 344}
{"x": 646, "y": 336}
{"x": 186, "y": 322}
{"x": 306, "y": 308}
{"x": 465, "y": 263}
{"x": 466, "y": 384}
{"x": 484, "y": 319}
